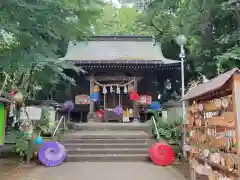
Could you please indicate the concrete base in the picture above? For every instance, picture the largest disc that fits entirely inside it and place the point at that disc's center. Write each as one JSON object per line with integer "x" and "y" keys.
{"x": 135, "y": 126}
{"x": 108, "y": 158}
{"x": 108, "y": 142}
{"x": 106, "y": 171}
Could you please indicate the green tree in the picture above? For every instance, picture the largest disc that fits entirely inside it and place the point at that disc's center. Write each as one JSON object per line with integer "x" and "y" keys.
{"x": 34, "y": 35}
{"x": 120, "y": 21}
{"x": 210, "y": 25}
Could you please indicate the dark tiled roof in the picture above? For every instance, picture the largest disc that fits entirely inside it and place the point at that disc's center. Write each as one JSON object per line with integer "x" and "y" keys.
{"x": 116, "y": 48}
{"x": 212, "y": 85}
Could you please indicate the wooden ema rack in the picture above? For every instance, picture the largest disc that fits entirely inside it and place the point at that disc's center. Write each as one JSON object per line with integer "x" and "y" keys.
{"x": 213, "y": 127}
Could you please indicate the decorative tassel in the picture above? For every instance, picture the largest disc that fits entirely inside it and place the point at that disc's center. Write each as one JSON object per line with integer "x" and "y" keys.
{"x": 104, "y": 90}
{"x": 118, "y": 90}
{"x": 111, "y": 89}
{"x": 125, "y": 90}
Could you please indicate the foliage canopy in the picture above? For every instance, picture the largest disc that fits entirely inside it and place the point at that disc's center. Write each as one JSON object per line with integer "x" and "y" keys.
{"x": 34, "y": 34}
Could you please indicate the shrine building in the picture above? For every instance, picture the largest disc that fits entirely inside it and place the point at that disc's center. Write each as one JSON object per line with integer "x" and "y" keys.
{"x": 117, "y": 66}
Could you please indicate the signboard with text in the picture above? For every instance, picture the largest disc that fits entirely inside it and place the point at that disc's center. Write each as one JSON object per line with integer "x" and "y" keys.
{"x": 82, "y": 99}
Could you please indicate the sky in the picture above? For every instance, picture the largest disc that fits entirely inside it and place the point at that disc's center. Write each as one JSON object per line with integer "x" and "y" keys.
{"x": 117, "y": 4}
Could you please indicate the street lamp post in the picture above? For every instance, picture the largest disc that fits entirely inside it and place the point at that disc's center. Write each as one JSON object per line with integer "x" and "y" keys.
{"x": 181, "y": 41}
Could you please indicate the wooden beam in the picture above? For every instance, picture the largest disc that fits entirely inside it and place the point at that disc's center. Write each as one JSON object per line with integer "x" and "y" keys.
{"x": 115, "y": 78}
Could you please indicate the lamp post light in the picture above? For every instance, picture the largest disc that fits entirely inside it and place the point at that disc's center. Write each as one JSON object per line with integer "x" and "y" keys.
{"x": 181, "y": 41}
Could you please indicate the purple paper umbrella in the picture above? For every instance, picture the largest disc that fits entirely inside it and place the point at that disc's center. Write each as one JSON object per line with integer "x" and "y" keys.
{"x": 52, "y": 153}
{"x": 118, "y": 110}
{"x": 67, "y": 106}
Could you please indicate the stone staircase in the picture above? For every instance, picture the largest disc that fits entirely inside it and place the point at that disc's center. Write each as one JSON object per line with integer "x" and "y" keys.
{"x": 105, "y": 142}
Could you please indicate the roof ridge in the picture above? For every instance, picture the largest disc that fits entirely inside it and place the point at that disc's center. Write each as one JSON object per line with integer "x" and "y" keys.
{"x": 213, "y": 84}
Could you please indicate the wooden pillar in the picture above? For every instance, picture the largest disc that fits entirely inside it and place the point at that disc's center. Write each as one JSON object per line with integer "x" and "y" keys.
{"x": 135, "y": 86}
{"x": 91, "y": 105}
{"x": 236, "y": 106}
{"x": 192, "y": 170}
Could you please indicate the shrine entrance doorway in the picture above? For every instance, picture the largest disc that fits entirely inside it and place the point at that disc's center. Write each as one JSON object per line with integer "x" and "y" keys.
{"x": 115, "y": 93}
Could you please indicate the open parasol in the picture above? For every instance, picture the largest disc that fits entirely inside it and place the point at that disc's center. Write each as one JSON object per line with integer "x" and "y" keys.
{"x": 52, "y": 153}
{"x": 161, "y": 154}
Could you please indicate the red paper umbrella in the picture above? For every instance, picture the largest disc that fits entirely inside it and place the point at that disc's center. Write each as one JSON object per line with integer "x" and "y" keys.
{"x": 161, "y": 154}
{"x": 134, "y": 96}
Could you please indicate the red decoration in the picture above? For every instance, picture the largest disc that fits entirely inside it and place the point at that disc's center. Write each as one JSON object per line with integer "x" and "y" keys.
{"x": 100, "y": 113}
{"x": 11, "y": 93}
{"x": 134, "y": 96}
{"x": 161, "y": 154}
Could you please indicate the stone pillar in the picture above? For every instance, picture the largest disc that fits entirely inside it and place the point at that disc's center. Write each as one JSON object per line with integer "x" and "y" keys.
{"x": 91, "y": 105}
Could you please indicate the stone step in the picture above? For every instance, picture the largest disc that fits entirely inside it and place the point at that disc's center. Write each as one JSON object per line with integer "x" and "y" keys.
{"x": 107, "y": 134}
{"x": 76, "y": 151}
{"x": 104, "y": 145}
{"x": 113, "y": 141}
{"x": 108, "y": 158}
{"x": 113, "y": 126}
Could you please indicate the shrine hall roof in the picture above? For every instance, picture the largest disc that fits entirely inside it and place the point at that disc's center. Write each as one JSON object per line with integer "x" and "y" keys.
{"x": 117, "y": 49}
{"x": 210, "y": 86}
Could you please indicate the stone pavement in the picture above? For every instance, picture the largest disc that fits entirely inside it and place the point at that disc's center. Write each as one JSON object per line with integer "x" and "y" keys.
{"x": 105, "y": 171}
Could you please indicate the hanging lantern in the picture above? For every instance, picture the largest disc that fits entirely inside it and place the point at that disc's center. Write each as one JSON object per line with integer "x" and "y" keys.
{"x": 96, "y": 88}
{"x": 125, "y": 90}
{"x": 18, "y": 97}
{"x": 104, "y": 90}
{"x": 130, "y": 88}
{"x": 118, "y": 90}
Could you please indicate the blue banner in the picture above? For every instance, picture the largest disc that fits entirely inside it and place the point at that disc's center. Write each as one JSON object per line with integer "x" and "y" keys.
{"x": 95, "y": 97}
{"x": 155, "y": 106}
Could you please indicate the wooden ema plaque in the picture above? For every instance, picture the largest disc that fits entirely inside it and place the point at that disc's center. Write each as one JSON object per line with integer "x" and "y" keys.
{"x": 213, "y": 125}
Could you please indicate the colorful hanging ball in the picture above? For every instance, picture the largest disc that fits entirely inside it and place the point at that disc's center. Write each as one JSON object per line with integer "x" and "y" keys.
{"x": 96, "y": 88}
{"x": 130, "y": 88}
{"x": 38, "y": 140}
{"x": 18, "y": 97}
{"x": 36, "y": 154}
{"x": 118, "y": 110}
{"x": 27, "y": 135}
{"x": 11, "y": 93}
